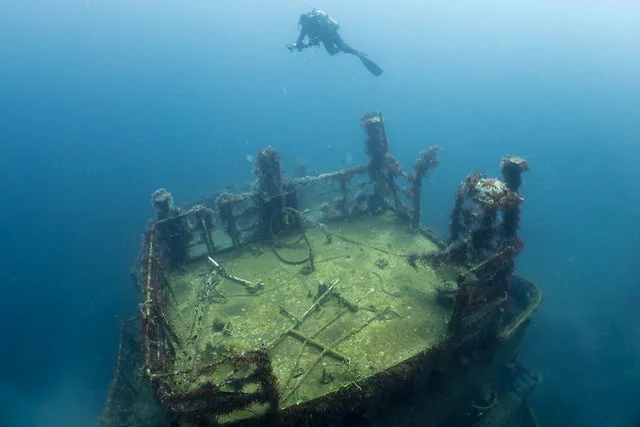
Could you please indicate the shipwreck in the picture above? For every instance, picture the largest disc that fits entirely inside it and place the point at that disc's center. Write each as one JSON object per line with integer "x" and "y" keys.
{"x": 323, "y": 300}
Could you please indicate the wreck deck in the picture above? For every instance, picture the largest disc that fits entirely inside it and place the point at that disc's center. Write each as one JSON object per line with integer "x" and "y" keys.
{"x": 361, "y": 311}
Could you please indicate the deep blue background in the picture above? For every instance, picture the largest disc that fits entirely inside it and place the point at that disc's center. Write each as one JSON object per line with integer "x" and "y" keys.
{"x": 102, "y": 102}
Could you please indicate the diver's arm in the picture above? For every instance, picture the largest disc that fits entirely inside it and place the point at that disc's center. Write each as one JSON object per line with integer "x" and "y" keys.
{"x": 300, "y": 42}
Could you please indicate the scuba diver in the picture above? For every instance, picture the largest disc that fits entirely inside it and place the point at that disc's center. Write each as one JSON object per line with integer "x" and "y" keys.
{"x": 317, "y": 26}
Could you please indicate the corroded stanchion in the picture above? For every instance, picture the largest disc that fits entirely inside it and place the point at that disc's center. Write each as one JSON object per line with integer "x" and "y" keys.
{"x": 274, "y": 193}
{"x": 383, "y": 167}
{"x": 226, "y": 202}
{"x": 172, "y": 229}
{"x": 426, "y": 160}
{"x": 484, "y": 224}
{"x": 512, "y": 168}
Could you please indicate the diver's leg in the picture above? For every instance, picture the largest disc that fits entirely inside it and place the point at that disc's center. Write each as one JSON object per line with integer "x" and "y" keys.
{"x": 331, "y": 46}
{"x": 342, "y": 46}
{"x": 336, "y": 44}
{"x": 371, "y": 66}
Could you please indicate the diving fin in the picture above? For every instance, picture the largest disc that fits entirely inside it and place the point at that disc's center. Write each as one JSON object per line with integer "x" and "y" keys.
{"x": 371, "y": 66}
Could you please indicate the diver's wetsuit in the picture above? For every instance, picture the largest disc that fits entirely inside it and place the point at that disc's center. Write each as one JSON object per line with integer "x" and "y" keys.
{"x": 317, "y": 26}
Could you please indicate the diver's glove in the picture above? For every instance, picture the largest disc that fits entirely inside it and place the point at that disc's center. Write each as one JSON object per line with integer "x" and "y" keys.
{"x": 312, "y": 42}
{"x": 305, "y": 44}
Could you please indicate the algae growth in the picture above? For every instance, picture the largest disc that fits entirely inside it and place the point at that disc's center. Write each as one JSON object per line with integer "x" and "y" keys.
{"x": 361, "y": 311}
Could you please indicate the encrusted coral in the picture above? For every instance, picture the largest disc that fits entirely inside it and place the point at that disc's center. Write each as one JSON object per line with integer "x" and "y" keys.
{"x": 162, "y": 201}
{"x": 511, "y": 168}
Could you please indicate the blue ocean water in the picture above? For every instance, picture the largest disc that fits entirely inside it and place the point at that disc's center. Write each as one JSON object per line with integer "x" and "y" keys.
{"x": 103, "y": 102}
